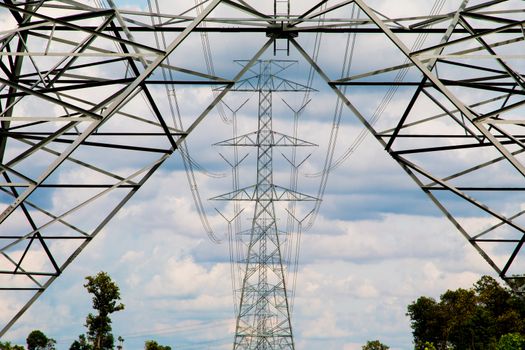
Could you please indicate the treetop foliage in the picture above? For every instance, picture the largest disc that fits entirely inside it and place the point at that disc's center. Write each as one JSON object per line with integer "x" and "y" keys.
{"x": 81, "y": 344}
{"x": 106, "y": 297}
{"x": 153, "y": 345}
{"x": 374, "y": 345}
{"x": 36, "y": 340}
{"x": 475, "y": 318}
{"x": 511, "y": 341}
{"x": 105, "y": 292}
{"x": 8, "y": 346}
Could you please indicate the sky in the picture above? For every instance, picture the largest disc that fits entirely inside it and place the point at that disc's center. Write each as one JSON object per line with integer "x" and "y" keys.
{"x": 378, "y": 242}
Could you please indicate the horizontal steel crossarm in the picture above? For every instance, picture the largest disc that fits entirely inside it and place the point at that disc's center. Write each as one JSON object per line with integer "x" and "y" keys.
{"x": 424, "y": 20}
{"x": 24, "y": 135}
{"x": 67, "y": 185}
{"x": 316, "y": 29}
{"x": 76, "y": 54}
{"x": 271, "y": 24}
{"x": 86, "y": 82}
{"x": 47, "y": 119}
{"x": 79, "y": 84}
{"x": 97, "y": 144}
{"x": 248, "y": 232}
{"x": 276, "y": 84}
{"x": 475, "y": 144}
{"x": 277, "y": 139}
{"x": 275, "y": 193}
{"x": 506, "y": 87}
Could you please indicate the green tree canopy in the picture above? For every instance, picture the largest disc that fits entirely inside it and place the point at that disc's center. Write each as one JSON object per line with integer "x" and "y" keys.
{"x": 425, "y": 346}
{"x": 474, "y": 318}
{"x": 374, "y": 345}
{"x": 81, "y": 344}
{"x": 8, "y": 346}
{"x": 37, "y": 340}
{"x": 511, "y": 341}
{"x": 153, "y": 345}
{"x": 106, "y": 297}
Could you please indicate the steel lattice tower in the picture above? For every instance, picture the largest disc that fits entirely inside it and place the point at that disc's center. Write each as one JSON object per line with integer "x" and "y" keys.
{"x": 264, "y": 318}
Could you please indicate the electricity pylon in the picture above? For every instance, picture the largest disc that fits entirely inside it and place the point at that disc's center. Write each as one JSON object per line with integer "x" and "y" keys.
{"x": 264, "y": 319}
{"x": 456, "y": 130}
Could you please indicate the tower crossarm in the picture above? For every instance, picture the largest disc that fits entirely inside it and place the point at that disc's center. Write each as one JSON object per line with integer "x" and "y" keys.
{"x": 273, "y": 193}
{"x": 273, "y": 139}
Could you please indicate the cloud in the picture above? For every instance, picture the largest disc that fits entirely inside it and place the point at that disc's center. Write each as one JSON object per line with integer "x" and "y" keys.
{"x": 185, "y": 278}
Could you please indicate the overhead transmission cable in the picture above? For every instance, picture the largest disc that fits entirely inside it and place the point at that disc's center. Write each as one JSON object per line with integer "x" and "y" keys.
{"x": 293, "y": 224}
{"x": 233, "y": 230}
{"x": 336, "y": 121}
{"x": 208, "y": 58}
{"x": 330, "y": 164}
{"x": 390, "y": 94}
{"x": 421, "y": 38}
{"x": 178, "y": 330}
{"x": 177, "y": 120}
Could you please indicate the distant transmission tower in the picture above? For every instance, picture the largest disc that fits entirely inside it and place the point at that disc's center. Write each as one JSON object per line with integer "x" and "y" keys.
{"x": 263, "y": 319}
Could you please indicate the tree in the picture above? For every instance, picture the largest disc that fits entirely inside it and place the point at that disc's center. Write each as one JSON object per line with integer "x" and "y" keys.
{"x": 120, "y": 342}
{"x": 36, "y": 340}
{"x": 426, "y": 320}
{"x": 8, "y": 346}
{"x": 153, "y": 345}
{"x": 425, "y": 346}
{"x": 461, "y": 329}
{"x": 81, "y": 344}
{"x": 474, "y": 318}
{"x": 106, "y": 297}
{"x": 374, "y": 345}
{"x": 511, "y": 341}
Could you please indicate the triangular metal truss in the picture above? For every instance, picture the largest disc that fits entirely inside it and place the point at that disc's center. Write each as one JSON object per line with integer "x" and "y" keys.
{"x": 274, "y": 193}
{"x": 275, "y": 139}
{"x": 465, "y": 148}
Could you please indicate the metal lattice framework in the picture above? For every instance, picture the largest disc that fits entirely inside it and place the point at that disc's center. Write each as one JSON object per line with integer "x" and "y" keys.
{"x": 264, "y": 316}
{"x": 74, "y": 80}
